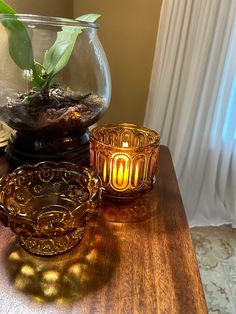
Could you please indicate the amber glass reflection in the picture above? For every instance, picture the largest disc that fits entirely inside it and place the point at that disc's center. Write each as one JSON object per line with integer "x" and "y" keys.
{"x": 67, "y": 278}
{"x": 125, "y": 157}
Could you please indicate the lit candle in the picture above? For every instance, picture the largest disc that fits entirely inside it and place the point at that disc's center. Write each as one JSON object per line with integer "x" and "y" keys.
{"x": 119, "y": 169}
{"x": 125, "y": 156}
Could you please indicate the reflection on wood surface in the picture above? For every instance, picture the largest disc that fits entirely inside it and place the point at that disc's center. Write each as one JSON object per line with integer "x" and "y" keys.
{"x": 68, "y": 277}
{"x": 139, "y": 209}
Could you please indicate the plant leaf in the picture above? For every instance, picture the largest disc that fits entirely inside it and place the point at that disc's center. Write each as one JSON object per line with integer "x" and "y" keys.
{"x": 59, "y": 54}
{"x": 19, "y": 42}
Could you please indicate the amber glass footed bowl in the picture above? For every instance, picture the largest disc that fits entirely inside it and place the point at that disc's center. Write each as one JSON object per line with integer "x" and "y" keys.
{"x": 49, "y": 205}
{"x": 125, "y": 156}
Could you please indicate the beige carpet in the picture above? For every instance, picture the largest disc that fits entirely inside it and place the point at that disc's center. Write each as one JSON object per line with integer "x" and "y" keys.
{"x": 216, "y": 253}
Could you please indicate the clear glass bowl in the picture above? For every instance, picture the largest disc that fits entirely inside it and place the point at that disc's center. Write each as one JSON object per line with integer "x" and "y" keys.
{"x": 80, "y": 92}
{"x": 52, "y": 123}
{"x": 49, "y": 205}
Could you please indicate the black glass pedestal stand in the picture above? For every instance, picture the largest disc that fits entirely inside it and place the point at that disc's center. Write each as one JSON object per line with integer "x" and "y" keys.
{"x": 33, "y": 147}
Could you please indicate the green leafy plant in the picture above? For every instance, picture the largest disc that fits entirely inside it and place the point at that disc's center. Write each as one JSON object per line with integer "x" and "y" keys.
{"x": 55, "y": 58}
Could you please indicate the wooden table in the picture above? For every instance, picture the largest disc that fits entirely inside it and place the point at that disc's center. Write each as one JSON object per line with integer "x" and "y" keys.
{"x": 136, "y": 258}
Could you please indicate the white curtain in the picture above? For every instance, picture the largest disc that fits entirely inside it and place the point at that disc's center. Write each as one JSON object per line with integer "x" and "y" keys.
{"x": 192, "y": 103}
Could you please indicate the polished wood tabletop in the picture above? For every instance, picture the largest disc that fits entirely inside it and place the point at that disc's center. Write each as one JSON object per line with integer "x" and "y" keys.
{"x": 135, "y": 258}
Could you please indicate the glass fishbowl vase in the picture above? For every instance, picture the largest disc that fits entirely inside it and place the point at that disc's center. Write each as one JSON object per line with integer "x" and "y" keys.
{"x": 51, "y": 121}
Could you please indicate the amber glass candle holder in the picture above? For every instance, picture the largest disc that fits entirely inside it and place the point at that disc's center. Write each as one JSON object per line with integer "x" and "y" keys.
{"x": 125, "y": 157}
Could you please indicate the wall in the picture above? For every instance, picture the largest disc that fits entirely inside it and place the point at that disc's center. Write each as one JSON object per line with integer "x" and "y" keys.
{"x": 43, "y": 7}
{"x": 128, "y": 34}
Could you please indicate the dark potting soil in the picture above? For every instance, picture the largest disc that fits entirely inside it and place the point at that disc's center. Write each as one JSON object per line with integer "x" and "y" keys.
{"x": 59, "y": 109}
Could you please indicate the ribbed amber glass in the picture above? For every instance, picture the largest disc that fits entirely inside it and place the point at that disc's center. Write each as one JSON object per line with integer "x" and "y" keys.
{"x": 125, "y": 157}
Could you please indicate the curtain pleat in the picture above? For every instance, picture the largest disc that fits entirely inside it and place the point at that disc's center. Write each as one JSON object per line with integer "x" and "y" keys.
{"x": 192, "y": 103}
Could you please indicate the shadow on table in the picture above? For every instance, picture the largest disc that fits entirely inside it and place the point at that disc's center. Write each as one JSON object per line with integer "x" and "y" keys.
{"x": 68, "y": 277}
